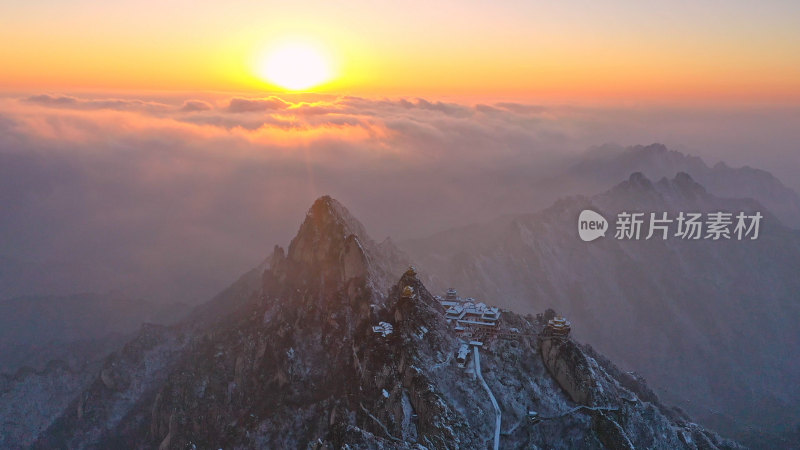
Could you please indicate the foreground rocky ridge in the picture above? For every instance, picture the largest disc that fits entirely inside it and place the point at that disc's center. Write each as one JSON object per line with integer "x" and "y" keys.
{"x": 287, "y": 358}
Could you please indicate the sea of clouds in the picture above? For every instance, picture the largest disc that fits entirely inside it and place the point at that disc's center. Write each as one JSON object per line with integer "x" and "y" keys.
{"x": 172, "y": 198}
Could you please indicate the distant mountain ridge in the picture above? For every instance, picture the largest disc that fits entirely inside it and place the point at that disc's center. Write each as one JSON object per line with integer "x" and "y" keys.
{"x": 609, "y": 164}
{"x": 79, "y": 327}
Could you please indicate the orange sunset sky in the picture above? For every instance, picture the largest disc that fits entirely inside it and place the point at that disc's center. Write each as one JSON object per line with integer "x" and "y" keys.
{"x": 663, "y": 51}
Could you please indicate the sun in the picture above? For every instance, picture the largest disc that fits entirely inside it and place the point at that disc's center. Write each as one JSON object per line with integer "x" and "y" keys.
{"x": 296, "y": 66}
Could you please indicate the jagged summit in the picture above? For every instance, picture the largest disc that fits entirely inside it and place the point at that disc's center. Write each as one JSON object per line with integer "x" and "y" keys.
{"x": 681, "y": 180}
{"x": 633, "y": 191}
{"x": 334, "y": 241}
{"x": 639, "y": 190}
{"x": 330, "y": 235}
{"x": 683, "y": 185}
{"x": 326, "y": 212}
{"x": 327, "y": 221}
{"x": 637, "y": 180}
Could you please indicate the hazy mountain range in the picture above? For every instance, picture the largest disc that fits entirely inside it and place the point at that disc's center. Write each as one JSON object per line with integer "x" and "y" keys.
{"x": 138, "y": 241}
{"x": 76, "y": 329}
{"x": 607, "y": 165}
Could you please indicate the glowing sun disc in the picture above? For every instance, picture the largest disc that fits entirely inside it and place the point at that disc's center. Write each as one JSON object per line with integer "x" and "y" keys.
{"x": 296, "y": 66}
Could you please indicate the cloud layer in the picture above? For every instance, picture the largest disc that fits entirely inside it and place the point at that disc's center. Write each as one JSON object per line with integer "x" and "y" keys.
{"x": 172, "y": 198}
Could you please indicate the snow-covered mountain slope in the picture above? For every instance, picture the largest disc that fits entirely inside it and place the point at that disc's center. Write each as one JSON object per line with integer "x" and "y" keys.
{"x": 712, "y": 324}
{"x": 288, "y": 357}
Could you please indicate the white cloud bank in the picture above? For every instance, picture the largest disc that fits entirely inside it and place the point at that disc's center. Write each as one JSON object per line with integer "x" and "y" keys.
{"x": 173, "y": 198}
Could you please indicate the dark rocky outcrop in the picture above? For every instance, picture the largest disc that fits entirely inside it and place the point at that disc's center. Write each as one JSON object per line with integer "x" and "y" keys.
{"x": 570, "y": 367}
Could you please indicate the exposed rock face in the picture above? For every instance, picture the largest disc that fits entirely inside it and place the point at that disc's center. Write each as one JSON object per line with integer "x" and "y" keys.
{"x": 294, "y": 363}
{"x": 570, "y": 368}
{"x": 332, "y": 240}
{"x": 590, "y": 379}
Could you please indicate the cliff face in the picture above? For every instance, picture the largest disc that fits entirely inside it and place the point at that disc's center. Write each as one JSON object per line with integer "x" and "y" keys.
{"x": 571, "y": 369}
{"x": 294, "y": 362}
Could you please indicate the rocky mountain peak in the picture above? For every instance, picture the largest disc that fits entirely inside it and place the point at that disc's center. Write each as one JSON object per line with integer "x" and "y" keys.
{"x": 639, "y": 181}
{"x": 334, "y": 242}
{"x": 682, "y": 186}
{"x": 635, "y": 189}
{"x": 684, "y": 178}
{"x": 327, "y": 209}
{"x": 655, "y": 147}
{"x": 639, "y": 191}
{"x": 658, "y": 156}
{"x": 331, "y": 239}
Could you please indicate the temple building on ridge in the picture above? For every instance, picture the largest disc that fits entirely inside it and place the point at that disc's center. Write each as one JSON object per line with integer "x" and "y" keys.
{"x": 557, "y": 326}
{"x": 468, "y": 313}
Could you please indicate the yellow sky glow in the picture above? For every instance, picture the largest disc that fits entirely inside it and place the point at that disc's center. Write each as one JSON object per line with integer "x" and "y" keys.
{"x": 690, "y": 51}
